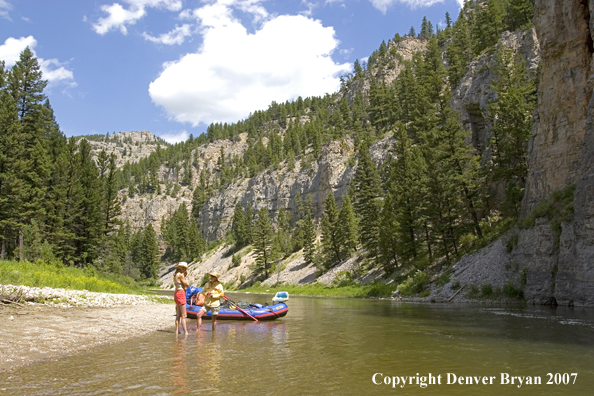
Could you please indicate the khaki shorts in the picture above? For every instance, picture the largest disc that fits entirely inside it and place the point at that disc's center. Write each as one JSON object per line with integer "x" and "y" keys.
{"x": 214, "y": 310}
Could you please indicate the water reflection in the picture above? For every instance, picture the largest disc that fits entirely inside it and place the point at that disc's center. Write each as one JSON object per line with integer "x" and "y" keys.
{"x": 332, "y": 347}
{"x": 179, "y": 369}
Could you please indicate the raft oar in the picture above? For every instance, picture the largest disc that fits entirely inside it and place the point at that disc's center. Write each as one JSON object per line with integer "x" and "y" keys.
{"x": 240, "y": 310}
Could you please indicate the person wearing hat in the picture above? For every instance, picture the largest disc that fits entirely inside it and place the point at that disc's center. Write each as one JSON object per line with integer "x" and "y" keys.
{"x": 181, "y": 284}
{"x": 213, "y": 291}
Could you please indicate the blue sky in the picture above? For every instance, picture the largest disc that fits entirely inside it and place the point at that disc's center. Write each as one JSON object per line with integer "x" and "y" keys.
{"x": 174, "y": 66}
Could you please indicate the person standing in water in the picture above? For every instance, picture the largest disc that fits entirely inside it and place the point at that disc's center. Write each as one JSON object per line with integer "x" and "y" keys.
{"x": 213, "y": 291}
{"x": 181, "y": 284}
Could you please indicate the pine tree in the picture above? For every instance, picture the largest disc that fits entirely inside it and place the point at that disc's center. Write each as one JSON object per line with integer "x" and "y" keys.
{"x": 459, "y": 51}
{"x": 519, "y": 14}
{"x": 407, "y": 196}
{"x": 282, "y": 238}
{"x": 348, "y": 228}
{"x": 389, "y": 241}
{"x": 426, "y": 29}
{"x": 379, "y": 104}
{"x": 330, "y": 232}
{"x": 25, "y": 84}
{"x": 197, "y": 243}
{"x": 12, "y": 168}
{"x": 367, "y": 190}
{"x": 249, "y": 224}
{"x": 511, "y": 115}
{"x": 309, "y": 238}
{"x": 90, "y": 223}
{"x": 264, "y": 243}
{"x": 150, "y": 262}
{"x": 111, "y": 204}
{"x": 239, "y": 226}
{"x": 359, "y": 73}
{"x": 448, "y": 19}
{"x": 488, "y": 26}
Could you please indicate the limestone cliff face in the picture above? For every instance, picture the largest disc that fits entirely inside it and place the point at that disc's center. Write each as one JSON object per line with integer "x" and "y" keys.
{"x": 277, "y": 189}
{"x": 387, "y": 69}
{"x": 560, "y": 268}
{"x": 564, "y": 95}
{"x": 145, "y": 209}
{"x": 473, "y": 94}
{"x": 128, "y": 146}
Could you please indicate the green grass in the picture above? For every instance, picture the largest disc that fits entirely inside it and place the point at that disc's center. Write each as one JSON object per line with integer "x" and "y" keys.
{"x": 318, "y": 290}
{"x": 40, "y": 274}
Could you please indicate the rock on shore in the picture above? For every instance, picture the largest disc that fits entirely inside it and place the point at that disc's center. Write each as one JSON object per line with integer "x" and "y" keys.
{"x": 76, "y": 298}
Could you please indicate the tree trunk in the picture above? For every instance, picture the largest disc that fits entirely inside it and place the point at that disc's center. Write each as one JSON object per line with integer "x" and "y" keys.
{"x": 21, "y": 246}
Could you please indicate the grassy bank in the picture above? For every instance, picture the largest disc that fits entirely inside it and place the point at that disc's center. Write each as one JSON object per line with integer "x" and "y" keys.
{"x": 40, "y": 274}
{"x": 317, "y": 290}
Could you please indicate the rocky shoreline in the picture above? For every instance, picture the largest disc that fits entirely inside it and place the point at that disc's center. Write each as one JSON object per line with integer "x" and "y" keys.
{"x": 54, "y": 323}
{"x": 76, "y": 298}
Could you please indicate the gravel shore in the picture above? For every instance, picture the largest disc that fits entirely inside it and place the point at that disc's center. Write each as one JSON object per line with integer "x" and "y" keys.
{"x": 66, "y": 322}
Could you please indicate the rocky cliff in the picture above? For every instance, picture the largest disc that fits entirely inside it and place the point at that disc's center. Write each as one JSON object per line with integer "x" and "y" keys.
{"x": 473, "y": 94}
{"x": 559, "y": 263}
{"x": 388, "y": 68}
{"x": 127, "y": 146}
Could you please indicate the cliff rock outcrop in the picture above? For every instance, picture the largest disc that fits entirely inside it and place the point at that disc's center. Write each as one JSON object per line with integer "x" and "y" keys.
{"x": 559, "y": 264}
{"x": 127, "y": 146}
{"x": 473, "y": 94}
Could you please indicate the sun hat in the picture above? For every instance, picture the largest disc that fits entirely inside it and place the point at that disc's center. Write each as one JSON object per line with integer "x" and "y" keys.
{"x": 214, "y": 273}
{"x": 183, "y": 264}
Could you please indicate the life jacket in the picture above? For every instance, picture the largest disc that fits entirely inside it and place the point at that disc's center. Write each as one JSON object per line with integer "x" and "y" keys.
{"x": 197, "y": 299}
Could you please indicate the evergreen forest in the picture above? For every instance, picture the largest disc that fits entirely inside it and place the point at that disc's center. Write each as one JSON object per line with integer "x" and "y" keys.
{"x": 437, "y": 197}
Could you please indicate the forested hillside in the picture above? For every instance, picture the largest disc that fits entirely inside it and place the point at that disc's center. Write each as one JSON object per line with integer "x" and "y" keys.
{"x": 382, "y": 170}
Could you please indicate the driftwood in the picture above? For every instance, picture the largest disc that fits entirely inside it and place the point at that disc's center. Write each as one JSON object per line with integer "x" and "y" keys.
{"x": 455, "y": 294}
{"x": 13, "y": 298}
{"x": 6, "y": 301}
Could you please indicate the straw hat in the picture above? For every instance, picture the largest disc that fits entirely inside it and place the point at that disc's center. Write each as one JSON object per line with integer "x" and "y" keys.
{"x": 183, "y": 265}
{"x": 214, "y": 273}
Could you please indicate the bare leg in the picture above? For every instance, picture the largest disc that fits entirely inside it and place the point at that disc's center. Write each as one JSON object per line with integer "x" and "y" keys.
{"x": 214, "y": 321}
{"x": 183, "y": 318}
{"x": 199, "y": 319}
{"x": 177, "y": 317}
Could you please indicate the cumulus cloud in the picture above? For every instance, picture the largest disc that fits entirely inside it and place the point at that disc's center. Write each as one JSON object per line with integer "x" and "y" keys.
{"x": 175, "y": 137}
{"x": 12, "y": 48}
{"x": 176, "y": 36}
{"x": 53, "y": 71}
{"x": 383, "y": 5}
{"x": 118, "y": 16}
{"x": 5, "y": 7}
{"x": 235, "y": 73}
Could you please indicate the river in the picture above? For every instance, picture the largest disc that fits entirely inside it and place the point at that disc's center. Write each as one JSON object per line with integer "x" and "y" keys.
{"x": 341, "y": 347}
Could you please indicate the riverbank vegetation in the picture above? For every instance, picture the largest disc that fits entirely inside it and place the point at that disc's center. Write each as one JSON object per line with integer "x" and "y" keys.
{"x": 57, "y": 275}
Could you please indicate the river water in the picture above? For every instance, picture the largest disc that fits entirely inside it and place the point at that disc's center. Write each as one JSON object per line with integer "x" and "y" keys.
{"x": 340, "y": 347}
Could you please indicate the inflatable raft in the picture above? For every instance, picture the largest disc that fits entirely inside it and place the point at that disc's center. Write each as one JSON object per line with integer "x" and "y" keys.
{"x": 228, "y": 311}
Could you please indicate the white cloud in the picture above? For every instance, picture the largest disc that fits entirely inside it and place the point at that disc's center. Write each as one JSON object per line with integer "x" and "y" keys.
{"x": 383, "y": 5}
{"x": 5, "y": 7}
{"x": 53, "y": 71}
{"x": 175, "y": 137}
{"x": 12, "y": 48}
{"x": 235, "y": 73}
{"x": 118, "y": 16}
{"x": 176, "y": 36}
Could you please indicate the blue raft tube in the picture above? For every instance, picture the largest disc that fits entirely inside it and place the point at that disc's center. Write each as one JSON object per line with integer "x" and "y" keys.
{"x": 228, "y": 311}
